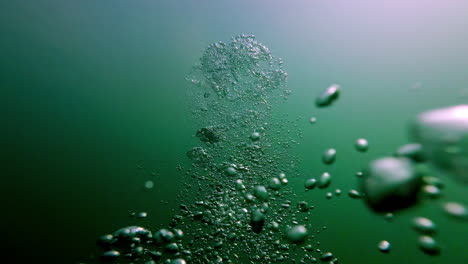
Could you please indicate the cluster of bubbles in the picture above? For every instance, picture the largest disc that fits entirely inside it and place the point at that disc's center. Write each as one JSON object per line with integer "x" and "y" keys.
{"x": 234, "y": 85}
{"x": 401, "y": 181}
{"x": 242, "y": 165}
{"x": 236, "y": 204}
{"x": 137, "y": 243}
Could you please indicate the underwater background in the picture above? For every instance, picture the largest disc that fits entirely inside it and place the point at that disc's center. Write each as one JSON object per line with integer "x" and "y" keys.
{"x": 95, "y": 104}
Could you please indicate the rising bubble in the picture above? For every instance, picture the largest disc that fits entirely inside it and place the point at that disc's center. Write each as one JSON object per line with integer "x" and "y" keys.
{"x": 329, "y": 156}
{"x": 384, "y": 246}
{"x": 328, "y": 96}
{"x": 324, "y": 180}
{"x": 391, "y": 183}
{"x": 362, "y": 145}
{"x": 297, "y": 233}
{"x": 456, "y": 210}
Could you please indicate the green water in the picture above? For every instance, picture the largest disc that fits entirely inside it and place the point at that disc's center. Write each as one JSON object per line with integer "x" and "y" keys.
{"x": 94, "y": 101}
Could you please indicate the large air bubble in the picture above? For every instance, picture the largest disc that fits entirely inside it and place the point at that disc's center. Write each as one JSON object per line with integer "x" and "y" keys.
{"x": 444, "y": 135}
{"x": 391, "y": 183}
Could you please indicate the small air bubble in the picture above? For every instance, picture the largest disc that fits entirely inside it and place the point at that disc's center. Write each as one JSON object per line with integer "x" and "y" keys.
{"x": 149, "y": 184}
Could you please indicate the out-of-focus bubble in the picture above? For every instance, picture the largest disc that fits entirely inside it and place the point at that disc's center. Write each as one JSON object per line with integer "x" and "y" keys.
{"x": 444, "y": 135}
{"x": 297, "y": 233}
{"x": 411, "y": 151}
{"x": 257, "y": 221}
{"x": 456, "y": 210}
{"x": 274, "y": 183}
{"x": 142, "y": 215}
{"x": 424, "y": 225}
{"x": 326, "y": 256}
{"x": 428, "y": 245}
{"x": 255, "y": 136}
{"x": 431, "y": 191}
{"x": 324, "y": 180}
{"x": 208, "y": 134}
{"x": 179, "y": 261}
{"x": 391, "y": 184}
{"x": 149, "y": 184}
{"x": 389, "y": 216}
{"x": 110, "y": 255}
{"x": 329, "y": 156}
{"x": 338, "y": 192}
{"x": 328, "y": 96}
{"x": 260, "y": 192}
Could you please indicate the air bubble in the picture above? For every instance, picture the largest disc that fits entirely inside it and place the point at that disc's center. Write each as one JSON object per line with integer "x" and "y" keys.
{"x": 328, "y": 96}
{"x": 431, "y": 180}
{"x": 128, "y": 234}
{"x": 231, "y": 171}
{"x": 354, "y": 194}
{"x": 106, "y": 240}
{"x": 149, "y": 184}
{"x": 249, "y": 197}
{"x": 178, "y": 261}
{"x": 324, "y": 180}
{"x": 412, "y": 151}
{"x": 163, "y": 236}
{"x": 142, "y": 215}
{"x": 362, "y": 145}
{"x": 155, "y": 255}
{"x": 274, "y": 183}
{"x": 443, "y": 134}
{"x": 431, "y": 191}
{"x": 208, "y": 135}
{"x": 428, "y": 245}
{"x": 384, "y": 246}
{"x": 110, "y": 255}
{"x": 309, "y": 184}
{"x": 297, "y": 233}
{"x": 456, "y": 210}
{"x": 260, "y": 192}
{"x": 273, "y": 226}
{"x": 326, "y": 256}
{"x": 329, "y": 156}
{"x": 172, "y": 247}
{"x": 303, "y": 206}
{"x": 424, "y": 225}
{"x": 257, "y": 221}
{"x": 178, "y": 233}
{"x": 391, "y": 183}
{"x": 255, "y": 136}
{"x": 240, "y": 184}
{"x": 389, "y": 216}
